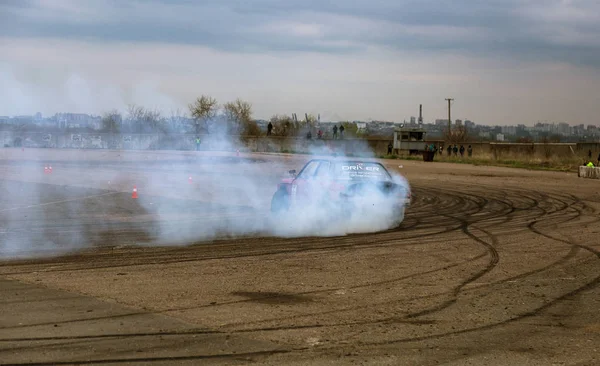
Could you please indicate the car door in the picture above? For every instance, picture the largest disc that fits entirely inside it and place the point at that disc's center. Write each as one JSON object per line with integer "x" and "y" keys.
{"x": 302, "y": 185}
{"x": 322, "y": 179}
{"x": 316, "y": 186}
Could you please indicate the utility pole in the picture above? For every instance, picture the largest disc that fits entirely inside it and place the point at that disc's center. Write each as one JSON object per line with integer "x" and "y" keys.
{"x": 449, "y": 118}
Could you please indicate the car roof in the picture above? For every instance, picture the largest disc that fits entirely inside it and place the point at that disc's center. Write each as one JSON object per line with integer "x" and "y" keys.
{"x": 343, "y": 160}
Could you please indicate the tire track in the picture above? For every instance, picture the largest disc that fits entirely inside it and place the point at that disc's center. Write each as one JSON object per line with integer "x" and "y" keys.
{"x": 481, "y": 216}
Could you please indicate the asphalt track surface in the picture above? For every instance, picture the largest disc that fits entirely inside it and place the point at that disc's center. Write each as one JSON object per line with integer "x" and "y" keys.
{"x": 491, "y": 266}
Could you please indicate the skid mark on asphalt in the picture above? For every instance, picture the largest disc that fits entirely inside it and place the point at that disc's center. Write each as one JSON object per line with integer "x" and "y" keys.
{"x": 61, "y": 201}
{"x": 481, "y": 215}
{"x": 554, "y": 208}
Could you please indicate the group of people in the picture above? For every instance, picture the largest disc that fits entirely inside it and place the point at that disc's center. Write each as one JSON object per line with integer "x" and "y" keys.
{"x": 335, "y": 133}
{"x": 451, "y": 150}
{"x": 335, "y": 130}
{"x": 455, "y": 150}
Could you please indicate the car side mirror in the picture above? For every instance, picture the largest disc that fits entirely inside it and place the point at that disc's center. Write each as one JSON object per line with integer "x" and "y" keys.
{"x": 292, "y": 172}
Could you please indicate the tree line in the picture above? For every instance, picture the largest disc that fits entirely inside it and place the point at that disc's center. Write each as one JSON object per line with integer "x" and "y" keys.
{"x": 205, "y": 115}
{"x": 208, "y": 116}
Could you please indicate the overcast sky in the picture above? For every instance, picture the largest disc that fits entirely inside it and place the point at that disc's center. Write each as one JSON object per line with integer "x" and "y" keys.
{"x": 503, "y": 61}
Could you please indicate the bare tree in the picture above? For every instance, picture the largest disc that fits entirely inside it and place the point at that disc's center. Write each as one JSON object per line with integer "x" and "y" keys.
{"x": 176, "y": 120}
{"x": 203, "y": 110}
{"x": 155, "y": 121}
{"x": 546, "y": 146}
{"x": 284, "y": 125}
{"x": 310, "y": 120}
{"x": 239, "y": 113}
{"x": 111, "y": 121}
{"x": 456, "y": 135}
{"x": 134, "y": 114}
{"x": 145, "y": 120}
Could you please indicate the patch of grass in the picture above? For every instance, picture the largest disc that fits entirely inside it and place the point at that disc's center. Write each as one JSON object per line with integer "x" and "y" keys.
{"x": 403, "y": 157}
{"x": 569, "y": 164}
{"x": 555, "y": 164}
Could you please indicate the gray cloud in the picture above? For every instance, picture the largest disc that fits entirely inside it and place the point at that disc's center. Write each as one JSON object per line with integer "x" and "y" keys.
{"x": 546, "y": 29}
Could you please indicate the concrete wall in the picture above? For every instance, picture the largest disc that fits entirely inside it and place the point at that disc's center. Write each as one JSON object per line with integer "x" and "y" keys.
{"x": 97, "y": 141}
{"x": 279, "y": 144}
{"x": 588, "y": 172}
{"x": 187, "y": 142}
{"x": 499, "y": 150}
{"x": 532, "y": 150}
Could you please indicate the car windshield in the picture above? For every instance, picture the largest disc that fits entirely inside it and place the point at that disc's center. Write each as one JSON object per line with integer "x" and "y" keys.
{"x": 354, "y": 170}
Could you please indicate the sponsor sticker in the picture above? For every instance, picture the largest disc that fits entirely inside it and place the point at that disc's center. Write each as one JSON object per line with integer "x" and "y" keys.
{"x": 360, "y": 167}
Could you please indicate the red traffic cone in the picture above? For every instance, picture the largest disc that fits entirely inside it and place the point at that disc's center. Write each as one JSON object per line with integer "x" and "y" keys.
{"x": 50, "y": 169}
{"x": 190, "y": 179}
{"x": 45, "y": 170}
{"x": 134, "y": 194}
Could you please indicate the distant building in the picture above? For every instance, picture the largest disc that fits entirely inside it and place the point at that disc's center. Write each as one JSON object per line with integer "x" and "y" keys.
{"x": 564, "y": 128}
{"x": 509, "y": 130}
{"x": 499, "y": 137}
{"x": 16, "y": 120}
{"x": 459, "y": 122}
{"x": 75, "y": 120}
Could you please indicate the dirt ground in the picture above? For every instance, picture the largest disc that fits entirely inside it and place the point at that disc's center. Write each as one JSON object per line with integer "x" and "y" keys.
{"x": 491, "y": 266}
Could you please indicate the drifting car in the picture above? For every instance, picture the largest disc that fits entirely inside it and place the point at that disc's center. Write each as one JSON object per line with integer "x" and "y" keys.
{"x": 345, "y": 184}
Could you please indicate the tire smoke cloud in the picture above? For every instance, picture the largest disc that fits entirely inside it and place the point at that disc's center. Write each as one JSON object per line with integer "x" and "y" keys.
{"x": 86, "y": 202}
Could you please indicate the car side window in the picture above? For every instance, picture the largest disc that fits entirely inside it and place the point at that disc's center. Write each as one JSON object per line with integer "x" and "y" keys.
{"x": 323, "y": 169}
{"x": 309, "y": 170}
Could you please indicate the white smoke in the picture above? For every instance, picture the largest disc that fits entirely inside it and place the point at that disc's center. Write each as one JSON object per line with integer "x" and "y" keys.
{"x": 234, "y": 195}
{"x": 86, "y": 201}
